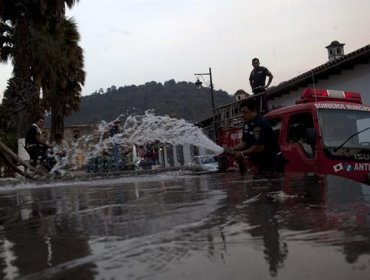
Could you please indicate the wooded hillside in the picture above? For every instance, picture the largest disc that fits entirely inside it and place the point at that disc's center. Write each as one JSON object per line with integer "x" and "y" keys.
{"x": 177, "y": 99}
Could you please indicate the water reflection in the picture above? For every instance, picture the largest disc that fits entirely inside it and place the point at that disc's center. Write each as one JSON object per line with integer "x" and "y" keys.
{"x": 39, "y": 237}
{"x": 187, "y": 227}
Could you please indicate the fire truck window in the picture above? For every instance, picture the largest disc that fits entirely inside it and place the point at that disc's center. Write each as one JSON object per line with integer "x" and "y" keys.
{"x": 297, "y": 127}
{"x": 362, "y": 125}
{"x": 337, "y": 125}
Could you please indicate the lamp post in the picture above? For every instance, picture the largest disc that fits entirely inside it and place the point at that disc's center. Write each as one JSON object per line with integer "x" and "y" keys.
{"x": 198, "y": 83}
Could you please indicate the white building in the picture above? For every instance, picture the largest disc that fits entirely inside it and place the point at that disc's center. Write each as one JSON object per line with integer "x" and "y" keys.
{"x": 349, "y": 72}
{"x": 241, "y": 94}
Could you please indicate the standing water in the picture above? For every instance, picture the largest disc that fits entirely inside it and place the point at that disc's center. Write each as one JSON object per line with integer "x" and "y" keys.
{"x": 180, "y": 226}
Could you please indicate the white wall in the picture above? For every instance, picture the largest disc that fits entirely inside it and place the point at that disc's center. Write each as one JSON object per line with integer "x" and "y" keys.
{"x": 187, "y": 154}
{"x": 357, "y": 80}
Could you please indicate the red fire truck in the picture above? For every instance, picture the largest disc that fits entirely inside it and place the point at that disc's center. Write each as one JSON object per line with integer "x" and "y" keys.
{"x": 325, "y": 132}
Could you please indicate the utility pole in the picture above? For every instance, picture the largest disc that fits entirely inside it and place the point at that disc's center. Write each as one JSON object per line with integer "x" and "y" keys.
{"x": 198, "y": 83}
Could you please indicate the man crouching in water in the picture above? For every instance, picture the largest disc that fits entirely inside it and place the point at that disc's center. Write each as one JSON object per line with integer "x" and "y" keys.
{"x": 258, "y": 142}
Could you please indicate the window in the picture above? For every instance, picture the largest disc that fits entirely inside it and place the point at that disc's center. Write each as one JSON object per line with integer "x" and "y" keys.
{"x": 76, "y": 134}
{"x": 297, "y": 131}
{"x": 337, "y": 125}
{"x": 170, "y": 159}
{"x": 180, "y": 154}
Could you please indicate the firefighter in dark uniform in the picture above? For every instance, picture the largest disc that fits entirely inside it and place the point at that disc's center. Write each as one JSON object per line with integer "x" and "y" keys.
{"x": 258, "y": 143}
{"x": 257, "y": 80}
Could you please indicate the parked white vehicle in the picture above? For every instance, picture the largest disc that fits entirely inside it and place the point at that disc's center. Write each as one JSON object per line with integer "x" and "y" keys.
{"x": 206, "y": 163}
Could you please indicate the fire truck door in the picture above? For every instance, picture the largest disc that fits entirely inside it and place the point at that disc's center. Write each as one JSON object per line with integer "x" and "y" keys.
{"x": 300, "y": 155}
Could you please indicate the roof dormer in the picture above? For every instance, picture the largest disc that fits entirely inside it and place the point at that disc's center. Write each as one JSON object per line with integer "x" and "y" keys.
{"x": 335, "y": 50}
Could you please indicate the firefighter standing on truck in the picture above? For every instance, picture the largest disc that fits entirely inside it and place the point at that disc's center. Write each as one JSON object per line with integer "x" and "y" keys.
{"x": 257, "y": 80}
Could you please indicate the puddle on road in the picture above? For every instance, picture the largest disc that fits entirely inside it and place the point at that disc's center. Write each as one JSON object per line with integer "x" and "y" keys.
{"x": 175, "y": 226}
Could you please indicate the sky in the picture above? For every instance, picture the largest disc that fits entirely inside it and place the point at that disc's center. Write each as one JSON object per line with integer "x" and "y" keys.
{"x": 131, "y": 42}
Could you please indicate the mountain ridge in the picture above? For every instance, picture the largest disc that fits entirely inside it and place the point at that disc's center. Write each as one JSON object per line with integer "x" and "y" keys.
{"x": 176, "y": 99}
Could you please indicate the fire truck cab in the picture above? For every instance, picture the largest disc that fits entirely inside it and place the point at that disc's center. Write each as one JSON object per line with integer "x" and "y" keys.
{"x": 325, "y": 132}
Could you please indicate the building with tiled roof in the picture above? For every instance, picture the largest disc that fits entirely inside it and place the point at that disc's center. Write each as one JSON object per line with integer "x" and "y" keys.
{"x": 348, "y": 72}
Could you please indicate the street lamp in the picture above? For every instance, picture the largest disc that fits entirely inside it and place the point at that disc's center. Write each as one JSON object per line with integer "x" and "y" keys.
{"x": 199, "y": 83}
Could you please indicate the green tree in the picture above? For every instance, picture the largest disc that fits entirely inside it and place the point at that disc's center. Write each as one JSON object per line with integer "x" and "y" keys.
{"x": 21, "y": 96}
{"x": 58, "y": 70}
{"x": 24, "y": 24}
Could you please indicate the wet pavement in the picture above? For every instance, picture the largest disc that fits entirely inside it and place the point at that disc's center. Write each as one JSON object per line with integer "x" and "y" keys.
{"x": 181, "y": 226}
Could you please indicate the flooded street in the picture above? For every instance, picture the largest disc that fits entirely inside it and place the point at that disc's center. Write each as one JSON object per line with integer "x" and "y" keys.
{"x": 182, "y": 226}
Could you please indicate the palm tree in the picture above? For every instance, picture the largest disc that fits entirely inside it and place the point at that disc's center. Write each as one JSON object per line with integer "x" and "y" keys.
{"x": 21, "y": 94}
{"x": 24, "y": 23}
{"x": 6, "y": 41}
{"x": 62, "y": 78}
